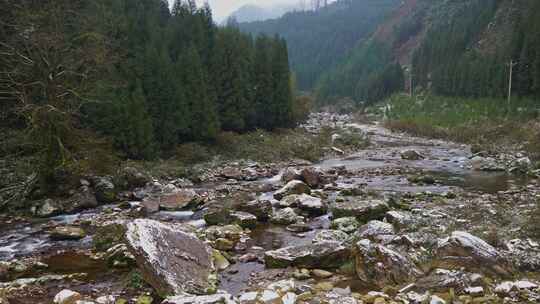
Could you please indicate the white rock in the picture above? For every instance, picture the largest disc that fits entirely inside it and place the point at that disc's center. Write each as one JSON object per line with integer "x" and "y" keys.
{"x": 436, "y": 300}
{"x": 67, "y": 296}
{"x": 106, "y": 300}
{"x": 289, "y": 298}
{"x": 270, "y": 297}
{"x": 475, "y": 291}
{"x": 248, "y": 297}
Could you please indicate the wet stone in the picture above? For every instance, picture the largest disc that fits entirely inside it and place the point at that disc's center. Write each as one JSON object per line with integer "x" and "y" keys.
{"x": 331, "y": 236}
{"x": 244, "y": 219}
{"x": 345, "y": 224}
{"x": 463, "y": 249}
{"x": 381, "y": 266}
{"x": 171, "y": 260}
{"x": 373, "y": 229}
{"x": 218, "y": 298}
{"x": 317, "y": 255}
{"x": 285, "y": 216}
{"x": 292, "y": 187}
{"x": 262, "y": 209}
{"x": 64, "y": 233}
{"x": 363, "y": 210}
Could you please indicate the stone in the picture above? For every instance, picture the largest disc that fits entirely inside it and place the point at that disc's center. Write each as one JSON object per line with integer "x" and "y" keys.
{"x": 285, "y": 216}
{"x": 436, "y": 300}
{"x": 171, "y": 260}
{"x": 400, "y": 219}
{"x": 67, "y": 296}
{"x": 321, "y": 274}
{"x": 313, "y": 177}
{"x": 244, "y": 219}
{"x": 218, "y": 298}
{"x": 108, "y": 235}
{"x": 248, "y": 297}
{"x": 290, "y": 174}
{"x": 262, "y": 209}
{"x": 381, "y": 266}
{"x": 485, "y": 164}
{"x": 130, "y": 177}
{"x": 65, "y": 233}
{"x": 299, "y": 227}
{"x": 178, "y": 200}
{"x": 311, "y": 205}
{"x": 106, "y": 300}
{"x": 229, "y": 232}
{"x": 4, "y": 270}
{"x": 105, "y": 190}
{"x": 463, "y": 249}
{"x": 477, "y": 291}
{"x": 270, "y": 297}
{"x": 373, "y": 229}
{"x": 331, "y": 236}
{"x": 364, "y": 211}
{"x": 119, "y": 256}
{"x": 411, "y": 155}
{"x": 318, "y": 255}
{"x": 506, "y": 287}
{"x": 345, "y": 224}
{"x": 48, "y": 208}
{"x": 232, "y": 173}
{"x": 441, "y": 280}
{"x": 292, "y": 187}
{"x": 218, "y": 215}
{"x": 522, "y": 164}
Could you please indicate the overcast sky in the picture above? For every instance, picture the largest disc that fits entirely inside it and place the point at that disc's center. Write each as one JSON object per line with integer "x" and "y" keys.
{"x": 223, "y": 8}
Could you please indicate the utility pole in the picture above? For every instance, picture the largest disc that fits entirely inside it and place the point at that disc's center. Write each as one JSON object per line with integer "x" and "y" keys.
{"x": 512, "y": 64}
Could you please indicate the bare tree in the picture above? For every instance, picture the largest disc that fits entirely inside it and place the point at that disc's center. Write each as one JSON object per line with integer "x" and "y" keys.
{"x": 46, "y": 68}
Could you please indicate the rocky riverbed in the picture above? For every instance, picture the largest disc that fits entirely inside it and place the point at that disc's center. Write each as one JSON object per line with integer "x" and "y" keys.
{"x": 406, "y": 220}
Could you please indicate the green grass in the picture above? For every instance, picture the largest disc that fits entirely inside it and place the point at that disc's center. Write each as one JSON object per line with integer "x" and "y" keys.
{"x": 484, "y": 122}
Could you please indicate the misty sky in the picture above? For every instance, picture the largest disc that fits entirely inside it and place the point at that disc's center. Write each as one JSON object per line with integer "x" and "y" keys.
{"x": 223, "y": 8}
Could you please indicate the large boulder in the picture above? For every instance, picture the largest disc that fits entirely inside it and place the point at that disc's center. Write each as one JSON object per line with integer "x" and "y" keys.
{"x": 363, "y": 210}
{"x": 292, "y": 187}
{"x": 463, "y": 249}
{"x": 316, "y": 255}
{"x": 262, "y": 209}
{"x": 381, "y": 266}
{"x": 171, "y": 260}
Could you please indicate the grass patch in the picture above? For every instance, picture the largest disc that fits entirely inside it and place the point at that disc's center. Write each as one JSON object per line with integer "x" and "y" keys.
{"x": 486, "y": 122}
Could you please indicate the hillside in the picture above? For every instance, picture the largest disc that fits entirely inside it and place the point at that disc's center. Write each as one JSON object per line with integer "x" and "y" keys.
{"x": 318, "y": 40}
{"x": 453, "y": 47}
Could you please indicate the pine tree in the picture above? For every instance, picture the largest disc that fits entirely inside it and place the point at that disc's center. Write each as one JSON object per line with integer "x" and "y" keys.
{"x": 204, "y": 123}
{"x": 264, "y": 93}
{"x": 133, "y": 132}
{"x": 281, "y": 106}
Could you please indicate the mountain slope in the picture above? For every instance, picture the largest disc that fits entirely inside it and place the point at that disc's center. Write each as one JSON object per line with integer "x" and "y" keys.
{"x": 319, "y": 40}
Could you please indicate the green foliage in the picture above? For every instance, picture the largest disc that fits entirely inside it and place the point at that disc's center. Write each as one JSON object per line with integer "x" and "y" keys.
{"x": 368, "y": 75}
{"x": 475, "y": 121}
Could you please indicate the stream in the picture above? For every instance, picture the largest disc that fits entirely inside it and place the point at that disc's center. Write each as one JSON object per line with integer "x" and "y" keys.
{"x": 379, "y": 168}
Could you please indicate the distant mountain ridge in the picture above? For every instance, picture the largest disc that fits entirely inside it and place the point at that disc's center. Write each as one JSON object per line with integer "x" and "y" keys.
{"x": 252, "y": 12}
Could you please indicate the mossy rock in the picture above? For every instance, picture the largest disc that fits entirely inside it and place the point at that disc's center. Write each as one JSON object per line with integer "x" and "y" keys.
{"x": 108, "y": 236}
